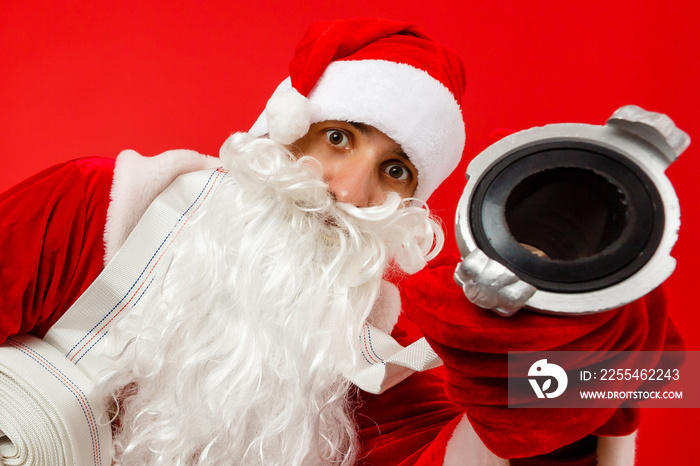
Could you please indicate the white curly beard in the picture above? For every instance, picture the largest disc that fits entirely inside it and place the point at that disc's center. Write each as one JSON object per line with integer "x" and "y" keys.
{"x": 238, "y": 356}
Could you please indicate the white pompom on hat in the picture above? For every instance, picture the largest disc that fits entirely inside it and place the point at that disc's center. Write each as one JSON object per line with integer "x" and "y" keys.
{"x": 381, "y": 73}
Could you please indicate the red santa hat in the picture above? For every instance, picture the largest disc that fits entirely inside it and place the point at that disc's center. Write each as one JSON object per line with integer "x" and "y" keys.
{"x": 378, "y": 72}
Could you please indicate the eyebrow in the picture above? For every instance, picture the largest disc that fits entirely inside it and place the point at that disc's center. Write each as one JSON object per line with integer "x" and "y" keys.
{"x": 367, "y": 129}
{"x": 403, "y": 155}
{"x": 361, "y": 127}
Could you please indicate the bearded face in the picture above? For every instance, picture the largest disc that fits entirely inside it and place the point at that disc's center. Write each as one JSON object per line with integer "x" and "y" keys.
{"x": 238, "y": 354}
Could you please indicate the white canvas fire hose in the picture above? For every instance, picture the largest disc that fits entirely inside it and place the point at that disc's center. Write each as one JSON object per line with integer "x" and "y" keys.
{"x": 49, "y": 412}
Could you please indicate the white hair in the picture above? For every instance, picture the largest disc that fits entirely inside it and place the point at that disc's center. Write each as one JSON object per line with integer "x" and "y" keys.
{"x": 238, "y": 355}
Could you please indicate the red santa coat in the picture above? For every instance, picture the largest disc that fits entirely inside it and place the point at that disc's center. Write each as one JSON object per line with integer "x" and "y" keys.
{"x": 60, "y": 227}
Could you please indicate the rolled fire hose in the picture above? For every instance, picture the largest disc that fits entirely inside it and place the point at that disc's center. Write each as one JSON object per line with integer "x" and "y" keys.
{"x": 49, "y": 413}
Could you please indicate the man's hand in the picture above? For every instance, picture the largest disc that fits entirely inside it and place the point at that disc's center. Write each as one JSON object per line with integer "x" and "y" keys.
{"x": 490, "y": 285}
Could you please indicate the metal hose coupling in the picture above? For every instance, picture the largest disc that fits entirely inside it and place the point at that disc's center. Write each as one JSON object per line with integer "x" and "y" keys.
{"x": 583, "y": 213}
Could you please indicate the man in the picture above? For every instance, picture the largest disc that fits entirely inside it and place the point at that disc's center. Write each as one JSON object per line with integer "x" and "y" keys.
{"x": 239, "y": 353}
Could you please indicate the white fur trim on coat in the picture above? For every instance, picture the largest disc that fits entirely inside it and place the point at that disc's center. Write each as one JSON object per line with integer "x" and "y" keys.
{"x": 138, "y": 180}
{"x": 465, "y": 447}
{"x": 617, "y": 451}
{"x": 405, "y": 103}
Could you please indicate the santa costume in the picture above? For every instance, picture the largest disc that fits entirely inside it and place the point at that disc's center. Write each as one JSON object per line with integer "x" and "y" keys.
{"x": 60, "y": 228}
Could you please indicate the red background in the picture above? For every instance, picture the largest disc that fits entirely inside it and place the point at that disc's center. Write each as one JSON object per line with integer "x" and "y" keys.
{"x": 85, "y": 79}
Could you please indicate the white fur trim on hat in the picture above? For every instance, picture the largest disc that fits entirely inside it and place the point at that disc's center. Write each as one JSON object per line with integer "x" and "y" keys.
{"x": 405, "y": 103}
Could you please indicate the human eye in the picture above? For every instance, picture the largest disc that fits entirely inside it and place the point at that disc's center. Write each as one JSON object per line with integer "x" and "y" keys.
{"x": 337, "y": 137}
{"x": 398, "y": 171}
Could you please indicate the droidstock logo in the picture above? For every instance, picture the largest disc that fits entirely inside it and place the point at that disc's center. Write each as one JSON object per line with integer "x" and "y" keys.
{"x": 544, "y": 372}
